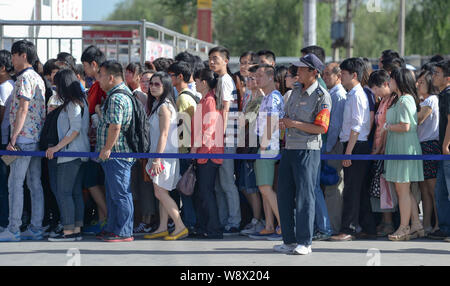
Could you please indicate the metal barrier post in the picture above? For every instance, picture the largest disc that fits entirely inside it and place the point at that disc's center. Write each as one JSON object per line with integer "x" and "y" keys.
{"x": 143, "y": 41}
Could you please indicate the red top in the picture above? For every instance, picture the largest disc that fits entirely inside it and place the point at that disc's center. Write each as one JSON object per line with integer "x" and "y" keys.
{"x": 96, "y": 95}
{"x": 207, "y": 125}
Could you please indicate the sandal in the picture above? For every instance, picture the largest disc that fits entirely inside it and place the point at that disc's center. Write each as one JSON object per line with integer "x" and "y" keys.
{"x": 402, "y": 234}
{"x": 416, "y": 231}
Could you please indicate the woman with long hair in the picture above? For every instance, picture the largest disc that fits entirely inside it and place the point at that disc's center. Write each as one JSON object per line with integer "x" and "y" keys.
{"x": 66, "y": 173}
{"x": 402, "y": 139}
{"x": 165, "y": 173}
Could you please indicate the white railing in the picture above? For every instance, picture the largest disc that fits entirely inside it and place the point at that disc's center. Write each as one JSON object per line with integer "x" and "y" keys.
{"x": 135, "y": 46}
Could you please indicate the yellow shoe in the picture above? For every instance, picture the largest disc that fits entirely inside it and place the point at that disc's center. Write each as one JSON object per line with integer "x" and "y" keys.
{"x": 156, "y": 235}
{"x": 184, "y": 233}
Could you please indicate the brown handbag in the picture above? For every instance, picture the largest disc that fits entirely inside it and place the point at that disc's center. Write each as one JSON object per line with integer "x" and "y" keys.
{"x": 186, "y": 184}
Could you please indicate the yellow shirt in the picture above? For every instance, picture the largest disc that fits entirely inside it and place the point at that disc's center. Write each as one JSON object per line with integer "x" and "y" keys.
{"x": 186, "y": 104}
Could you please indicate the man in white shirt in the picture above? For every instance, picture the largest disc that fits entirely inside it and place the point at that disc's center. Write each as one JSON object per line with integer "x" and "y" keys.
{"x": 354, "y": 134}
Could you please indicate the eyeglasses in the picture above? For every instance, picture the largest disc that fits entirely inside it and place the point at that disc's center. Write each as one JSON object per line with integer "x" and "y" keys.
{"x": 155, "y": 84}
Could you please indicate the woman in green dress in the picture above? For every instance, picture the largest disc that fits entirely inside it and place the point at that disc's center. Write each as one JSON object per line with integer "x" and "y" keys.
{"x": 402, "y": 139}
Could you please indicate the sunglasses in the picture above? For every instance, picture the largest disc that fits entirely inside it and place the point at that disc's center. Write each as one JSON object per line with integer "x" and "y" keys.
{"x": 155, "y": 84}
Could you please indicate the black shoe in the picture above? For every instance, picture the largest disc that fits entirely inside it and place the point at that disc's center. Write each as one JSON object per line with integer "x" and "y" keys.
{"x": 231, "y": 232}
{"x": 438, "y": 235}
{"x": 365, "y": 236}
{"x": 213, "y": 236}
{"x": 61, "y": 237}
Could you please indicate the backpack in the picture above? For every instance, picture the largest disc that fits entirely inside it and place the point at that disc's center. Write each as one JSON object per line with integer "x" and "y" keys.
{"x": 138, "y": 133}
{"x": 49, "y": 133}
{"x": 188, "y": 92}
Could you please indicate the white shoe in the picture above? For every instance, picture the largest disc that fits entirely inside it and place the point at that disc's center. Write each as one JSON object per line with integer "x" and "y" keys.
{"x": 285, "y": 248}
{"x": 302, "y": 250}
{"x": 253, "y": 227}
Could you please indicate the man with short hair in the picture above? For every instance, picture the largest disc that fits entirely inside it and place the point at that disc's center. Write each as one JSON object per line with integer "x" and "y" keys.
{"x": 181, "y": 74}
{"x": 333, "y": 194}
{"x": 354, "y": 135}
{"x": 266, "y": 57}
{"x": 117, "y": 113}
{"x": 441, "y": 79}
{"x": 307, "y": 115}
{"x": 227, "y": 194}
{"x": 27, "y": 116}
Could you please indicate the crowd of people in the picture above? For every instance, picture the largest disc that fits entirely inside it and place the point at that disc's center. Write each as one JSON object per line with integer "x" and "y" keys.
{"x": 186, "y": 105}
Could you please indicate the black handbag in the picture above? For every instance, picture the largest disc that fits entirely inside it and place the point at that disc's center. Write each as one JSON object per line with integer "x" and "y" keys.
{"x": 186, "y": 184}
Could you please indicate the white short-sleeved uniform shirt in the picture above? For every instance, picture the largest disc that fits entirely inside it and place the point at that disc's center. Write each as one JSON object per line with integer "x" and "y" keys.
{"x": 228, "y": 89}
{"x": 429, "y": 129}
{"x": 6, "y": 90}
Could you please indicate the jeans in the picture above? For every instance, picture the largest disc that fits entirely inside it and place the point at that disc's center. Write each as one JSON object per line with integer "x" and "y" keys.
{"x": 29, "y": 167}
{"x": 205, "y": 200}
{"x": 321, "y": 221}
{"x": 227, "y": 194}
{"x": 188, "y": 211}
{"x": 4, "y": 204}
{"x": 67, "y": 179}
{"x": 119, "y": 200}
{"x": 297, "y": 178}
{"x": 442, "y": 195}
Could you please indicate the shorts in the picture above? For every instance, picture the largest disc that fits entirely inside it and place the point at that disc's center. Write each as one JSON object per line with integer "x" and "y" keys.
{"x": 247, "y": 178}
{"x": 430, "y": 167}
{"x": 265, "y": 170}
{"x": 93, "y": 174}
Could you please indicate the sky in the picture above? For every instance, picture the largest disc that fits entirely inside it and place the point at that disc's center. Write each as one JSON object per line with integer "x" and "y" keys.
{"x": 97, "y": 10}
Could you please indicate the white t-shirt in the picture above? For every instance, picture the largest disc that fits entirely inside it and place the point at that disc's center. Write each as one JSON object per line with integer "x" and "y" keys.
{"x": 6, "y": 90}
{"x": 429, "y": 129}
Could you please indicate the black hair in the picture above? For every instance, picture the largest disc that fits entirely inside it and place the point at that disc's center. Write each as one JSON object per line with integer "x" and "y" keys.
{"x": 223, "y": 51}
{"x": 5, "y": 61}
{"x": 391, "y": 63}
{"x": 93, "y": 54}
{"x": 253, "y": 68}
{"x": 444, "y": 66}
{"x": 406, "y": 84}
{"x": 185, "y": 57}
{"x": 135, "y": 68}
{"x": 366, "y": 72}
{"x": 79, "y": 70}
{"x": 436, "y": 59}
{"x": 211, "y": 79}
{"x": 166, "y": 81}
{"x": 113, "y": 68}
{"x": 378, "y": 78}
{"x": 280, "y": 77}
{"x": 68, "y": 58}
{"x": 293, "y": 70}
{"x": 144, "y": 72}
{"x": 49, "y": 66}
{"x": 162, "y": 64}
{"x": 267, "y": 54}
{"x": 182, "y": 68}
{"x": 198, "y": 64}
{"x": 428, "y": 66}
{"x": 428, "y": 77}
{"x": 353, "y": 65}
{"x": 316, "y": 50}
{"x": 25, "y": 47}
{"x": 389, "y": 54}
{"x": 38, "y": 67}
{"x": 250, "y": 54}
{"x": 68, "y": 87}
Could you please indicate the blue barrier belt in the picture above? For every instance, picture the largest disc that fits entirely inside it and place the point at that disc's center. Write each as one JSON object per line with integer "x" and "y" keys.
{"x": 224, "y": 156}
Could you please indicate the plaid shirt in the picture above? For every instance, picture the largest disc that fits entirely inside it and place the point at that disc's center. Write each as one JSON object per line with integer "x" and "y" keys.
{"x": 119, "y": 111}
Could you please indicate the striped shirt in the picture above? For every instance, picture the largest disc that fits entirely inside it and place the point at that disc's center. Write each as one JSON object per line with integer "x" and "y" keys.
{"x": 228, "y": 89}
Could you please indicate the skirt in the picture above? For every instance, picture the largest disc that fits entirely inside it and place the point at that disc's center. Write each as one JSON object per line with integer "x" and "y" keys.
{"x": 430, "y": 167}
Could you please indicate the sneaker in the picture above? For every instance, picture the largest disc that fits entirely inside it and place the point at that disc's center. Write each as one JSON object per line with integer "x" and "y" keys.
{"x": 7, "y": 236}
{"x": 116, "y": 238}
{"x": 302, "y": 250}
{"x": 438, "y": 235}
{"x": 285, "y": 248}
{"x": 263, "y": 234}
{"x": 57, "y": 230}
{"x": 30, "y": 234}
{"x": 253, "y": 227}
{"x": 79, "y": 236}
{"x": 2, "y": 229}
{"x": 61, "y": 237}
{"x": 102, "y": 234}
{"x": 46, "y": 230}
{"x": 231, "y": 231}
{"x": 142, "y": 229}
{"x": 447, "y": 239}
{"x": 276, "y": 236}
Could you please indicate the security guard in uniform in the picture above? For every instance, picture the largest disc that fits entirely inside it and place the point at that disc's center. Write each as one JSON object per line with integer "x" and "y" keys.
{"x": 307, "y": 117}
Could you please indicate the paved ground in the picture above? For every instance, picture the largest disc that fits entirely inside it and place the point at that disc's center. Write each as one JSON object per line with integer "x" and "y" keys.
{"x": 228, "y": 252}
